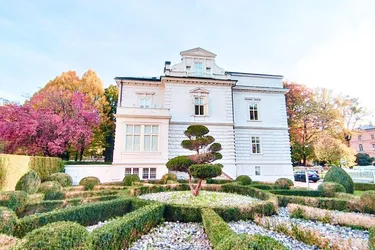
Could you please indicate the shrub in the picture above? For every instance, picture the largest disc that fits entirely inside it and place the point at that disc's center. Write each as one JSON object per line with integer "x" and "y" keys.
{"x": 217, "y": 181}
{"x": 297, "y": 192}
{"x": 8, "y": 221}
{"x": 45, "y": 166}
{"x": 89, "y": 182}
{"x": 14, "y": 200}
{"x": 52, "y": 190}
{"x": 64, "y": 179}
{"x": 338, "y": 175}
{"x": 7, "y": 242}
{"x": 371, "y": 240}
{"x": 214, "y": 226}
{"x": 368, "y": 201}
{"x": 122, "y": 231}
{"x": 87, "y": 214}
{"x": 129, "y": 179}
{"x": 284, "y": 183}
{"x": 328, "y": 189}
{"x": 364, "y": 186}
{"x": 29, "y": 182}
{"x": 243, "y": 180}
{"x": 168, "y": 177}
{"x": 59, "y": 235}
{"x": 179, "y": 163}
{"x": 253, "y": 242}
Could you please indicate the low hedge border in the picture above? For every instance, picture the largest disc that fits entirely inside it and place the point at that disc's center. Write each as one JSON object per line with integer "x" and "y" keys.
{"x": 371, "y": 240}
{"x": 296, "y": 192}
{"x": 222, "y": 237}
{"x": 119, "y": 233}
{"x": 87, "y": 214}
{"x": 49, "y": 205}
{"x": 245, "y": 190}
{"x": 321, "y": 202}
{"x": 264, "y": 186}
{"x": 364, "y": 186}
{"x": 85, "y": 194}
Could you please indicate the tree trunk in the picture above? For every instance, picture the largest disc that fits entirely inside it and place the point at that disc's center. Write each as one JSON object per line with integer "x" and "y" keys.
{"x": 197, "y": 188}
{"x": 81, "y": 154}
{"x": 76, "y": 157}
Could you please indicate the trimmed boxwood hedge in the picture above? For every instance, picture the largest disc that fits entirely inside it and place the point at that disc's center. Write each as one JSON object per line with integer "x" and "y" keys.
{"x": 264, "y": 186}
{"x": 243, "y": 180}
{"x": 64, "y": 179}
{"x": 339, "y": 175}
{"x": 215, "y": 227}
{"x": 129, "y": 179}
{"x": 29, "y": 182}
{"x": 58, "y": 235}
{"x": 296, "y": 192}
{"x": 371, "y": 240}
{"x": 245, "y": 190}
{"x": 8, "y": 221}
{"x": 119, "y": 233}
{"x": 217, "y": 181}
{"x": 364, "y": 186}
{"x": 14, "y": 200}
{"x": 84, "y": 194}
{"x": 87, "y": 214}
{"x": 89, "y": 182}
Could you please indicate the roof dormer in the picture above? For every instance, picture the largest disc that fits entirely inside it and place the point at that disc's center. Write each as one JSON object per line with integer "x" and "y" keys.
{"x": 196, "y": 62}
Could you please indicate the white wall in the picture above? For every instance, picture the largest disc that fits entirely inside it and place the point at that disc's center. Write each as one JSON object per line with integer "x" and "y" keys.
{"x": 258, "y": 81}
{"x": 130, "y": 96}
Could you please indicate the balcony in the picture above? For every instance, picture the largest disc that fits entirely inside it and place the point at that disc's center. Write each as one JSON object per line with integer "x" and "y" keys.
{"x": 142, "y": 112}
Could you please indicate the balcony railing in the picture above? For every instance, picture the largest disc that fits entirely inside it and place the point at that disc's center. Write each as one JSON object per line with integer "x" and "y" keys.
{"x": 137, "y": 111}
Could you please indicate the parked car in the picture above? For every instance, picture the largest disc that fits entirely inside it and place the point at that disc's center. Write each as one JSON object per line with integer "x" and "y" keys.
{"x": 301, "y": 176}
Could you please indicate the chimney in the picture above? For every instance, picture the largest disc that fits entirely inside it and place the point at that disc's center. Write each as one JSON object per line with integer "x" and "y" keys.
{"x": 167, "y": 68}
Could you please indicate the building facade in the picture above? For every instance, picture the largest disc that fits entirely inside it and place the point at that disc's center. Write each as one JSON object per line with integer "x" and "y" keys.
{"x": 245, "y": 112}
{"x": 363, "y": 140}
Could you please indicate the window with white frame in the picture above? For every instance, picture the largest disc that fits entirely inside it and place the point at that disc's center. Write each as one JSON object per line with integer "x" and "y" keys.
{"x": 145, "y": 101}
{"x": 257, "y": 170}
{"x": 142, "y": 138}
{"x": 131, "y": 171}
{"x": 133, "y": 138}
{"x": 198, "y": 68}
{"x": 128, "y": 171}
{"x": 199, "y": 105}
{"x": 136, "y": 171}
{"x": 149, "y": 173}
{"x": 151, "y": 137}
{"x": 360, "y": 147}
{"x": 255, "y": 144}
{"x": 253, "y": 112}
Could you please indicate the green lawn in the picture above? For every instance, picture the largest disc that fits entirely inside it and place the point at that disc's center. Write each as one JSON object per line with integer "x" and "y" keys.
{"x": 358, "y": 193}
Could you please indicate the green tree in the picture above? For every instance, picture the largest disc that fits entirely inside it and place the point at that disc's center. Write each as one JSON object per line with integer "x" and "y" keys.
{"x": 200, "y": 164}
{"x": 108, "y": 128}
{"x": 364, "y": 159}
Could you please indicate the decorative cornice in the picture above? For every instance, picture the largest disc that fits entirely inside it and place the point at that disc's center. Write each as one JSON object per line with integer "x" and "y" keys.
{"x": 142, "y": 116}
{"x": 191, "y": 80}
{"x": 260, "y": 128}
{"x": 242, "y": 88}
{"x": 139, "y": 82}
{"x": 202, "y": 123}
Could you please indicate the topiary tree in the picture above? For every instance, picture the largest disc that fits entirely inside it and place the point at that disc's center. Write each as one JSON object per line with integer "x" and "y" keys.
{"x": 29, "y": 182}
{"x": 200, "y": 164}
{"x": 338, "y": 175}
{"x": 284, "y": 183}
{"x": 64, "y": 179}
{"x": 243, "y": 180}
{"x": 329, "y": 189}
{"x": 129, "y": 179}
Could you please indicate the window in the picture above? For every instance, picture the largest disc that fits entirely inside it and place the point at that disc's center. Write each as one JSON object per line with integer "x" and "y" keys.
{"x": 198, "y": 69}
{"x": 151, "y": 138}
{"x": 136, "y": 171}
{"x": 149, "y": 173}
{"x": 372, "y": 137}
{"x": 255, "y": 144}
{"x": 188, "y": 68}
{"x": 128, "y": 171}
{"x": 208, "y": 70}
{"x": 145, "y": 101}
{"x": 360, "y": 147}
{"x": 142, "y": 138}
{"x": 257, "y": 170}
{"x": 373, "y": 146}
{"x": 199, "y": 105}
{"x": 359, "y": 137}
{"x": 133, "y": 138}
{"x": 253, "y": 109}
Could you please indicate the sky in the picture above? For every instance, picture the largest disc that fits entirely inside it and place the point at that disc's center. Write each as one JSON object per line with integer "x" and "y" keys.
{"x": 319, "y": 43}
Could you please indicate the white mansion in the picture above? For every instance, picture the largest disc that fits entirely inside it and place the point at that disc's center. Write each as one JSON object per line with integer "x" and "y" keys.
{"x": 245, "y": 112}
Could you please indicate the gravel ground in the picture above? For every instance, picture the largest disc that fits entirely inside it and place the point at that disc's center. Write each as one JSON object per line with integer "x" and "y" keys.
{"x": 327, "y": 230}
{"x": 174, "y": 235}
{"x": 100, "y": 224}
{"x": 251, "y": 228}
{"x": 205, "y": 198}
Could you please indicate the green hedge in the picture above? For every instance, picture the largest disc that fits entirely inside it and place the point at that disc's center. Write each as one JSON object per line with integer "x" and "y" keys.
{"x": 14, "y": 200}
{"x": 215, "y": 227}
{"x": 182, "y": 213}
{"x": 45, "y": 166}
{"x": 158, "y": 188}
{"x": 49, "y": 205}
{"x": 371, "y": 240}
{"x": 364, "y": 186}
{"x": 320, "y": 202}
{"x": 245, "y": 190}
{"x": 296, "y": 192}
{"x": 8, "y": 221}
{"x": 86, "y": 163}
{"x": 58, "y": 235}
{"x": 119, "y": 233}
{"x": 217, "y": 181}
{"x": 88, "y": 214}
{"x": 264, "y": 186}
{"x": 84, "y": 194}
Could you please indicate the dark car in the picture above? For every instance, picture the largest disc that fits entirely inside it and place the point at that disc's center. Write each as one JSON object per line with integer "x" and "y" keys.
{"x": 301, "y": 176}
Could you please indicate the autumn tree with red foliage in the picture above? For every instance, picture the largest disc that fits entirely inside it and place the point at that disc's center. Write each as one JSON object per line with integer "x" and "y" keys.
{"x": 49, "y": 124}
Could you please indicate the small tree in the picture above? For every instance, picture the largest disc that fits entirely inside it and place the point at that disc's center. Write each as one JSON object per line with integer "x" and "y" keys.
{"x": 200, "y": 164}
{"x": 363, "y": 159}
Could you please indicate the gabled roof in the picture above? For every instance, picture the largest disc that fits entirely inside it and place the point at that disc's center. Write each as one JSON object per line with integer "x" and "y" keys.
{"x": 197, "y": 52}
{"x": 199, "y": 90}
